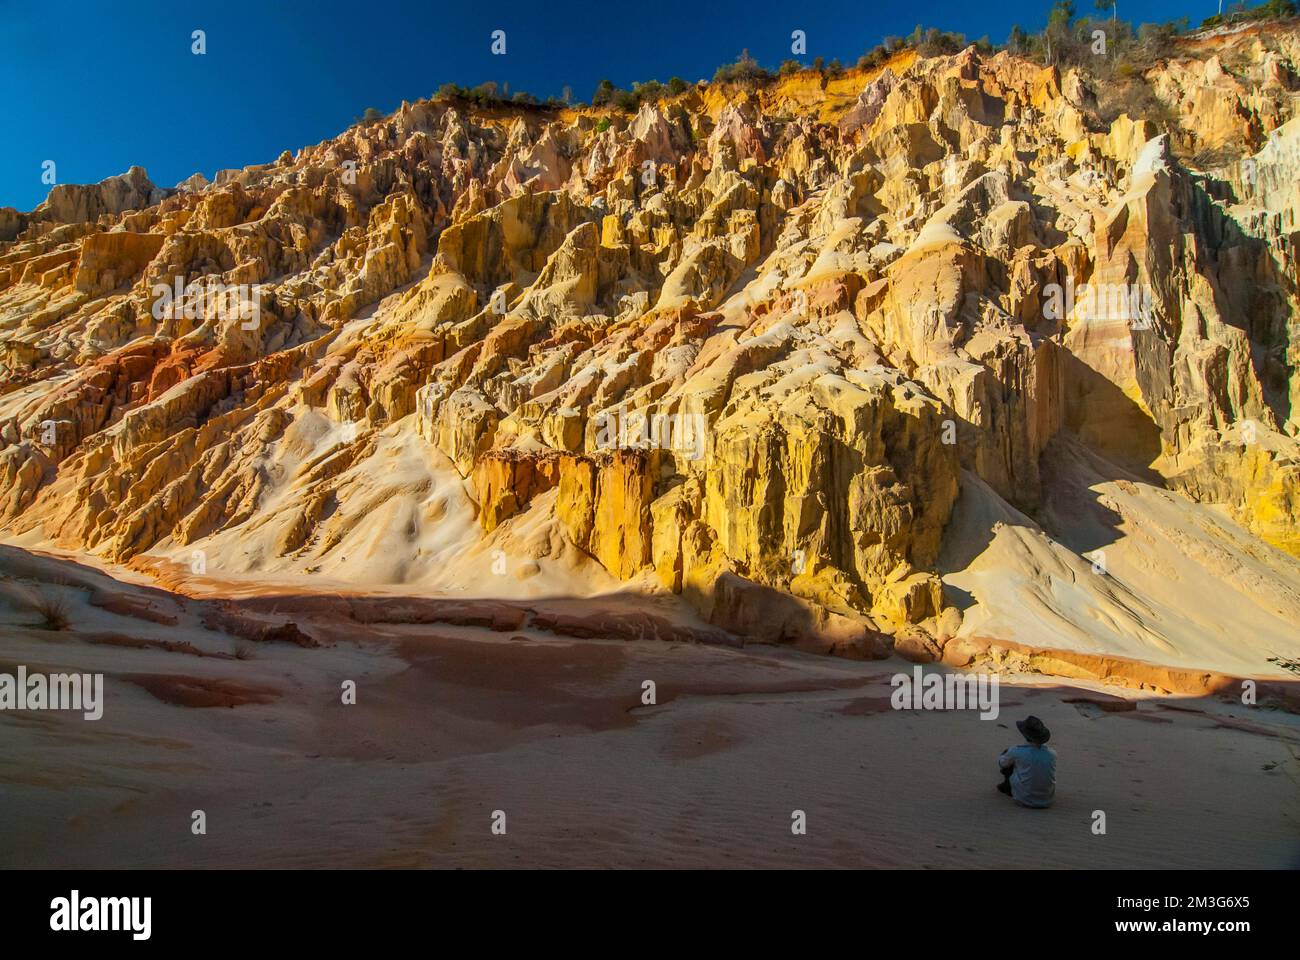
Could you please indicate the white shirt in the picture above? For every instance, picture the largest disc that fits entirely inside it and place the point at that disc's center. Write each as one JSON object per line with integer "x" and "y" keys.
{"x": 1033, "y": 779}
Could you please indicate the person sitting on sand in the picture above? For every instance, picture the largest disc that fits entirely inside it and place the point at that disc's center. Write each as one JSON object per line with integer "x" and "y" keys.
{"x": 1029, "y": 769}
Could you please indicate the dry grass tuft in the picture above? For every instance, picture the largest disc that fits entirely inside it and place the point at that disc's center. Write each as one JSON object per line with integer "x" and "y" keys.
{"x": 53, "y": 612}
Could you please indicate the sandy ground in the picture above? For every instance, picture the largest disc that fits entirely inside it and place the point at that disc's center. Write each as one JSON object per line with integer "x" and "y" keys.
{"x": 453, "y": 723}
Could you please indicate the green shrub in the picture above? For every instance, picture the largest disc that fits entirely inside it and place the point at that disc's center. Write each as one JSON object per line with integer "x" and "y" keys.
{"x": 874, "y": 57}
{"x": 745, "y": 70}
{"x": 1271, "y": 10}
{"x": 604, "y": 94}
{"x": 652, "y": 91}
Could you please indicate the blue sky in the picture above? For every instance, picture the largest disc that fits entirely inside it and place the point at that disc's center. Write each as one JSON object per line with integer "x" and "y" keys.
{"x": 98, "y": 86}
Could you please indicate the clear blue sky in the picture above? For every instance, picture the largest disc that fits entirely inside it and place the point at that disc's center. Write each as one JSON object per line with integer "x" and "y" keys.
{"x": 98, "y": 86}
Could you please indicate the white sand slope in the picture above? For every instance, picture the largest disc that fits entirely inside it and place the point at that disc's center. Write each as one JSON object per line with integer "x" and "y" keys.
{"x": 399, "y": 516}
{"x": 1124, "y": 568}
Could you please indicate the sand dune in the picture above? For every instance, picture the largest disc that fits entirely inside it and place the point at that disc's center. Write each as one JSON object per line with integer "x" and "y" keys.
{"x": 1119, "y": 566}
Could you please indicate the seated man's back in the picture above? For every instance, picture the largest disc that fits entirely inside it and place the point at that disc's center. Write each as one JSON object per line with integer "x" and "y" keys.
{"x": 1033, "y": 780}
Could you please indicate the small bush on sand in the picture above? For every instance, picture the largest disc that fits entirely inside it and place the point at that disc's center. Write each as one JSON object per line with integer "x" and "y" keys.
{"x": 53, "y": 612}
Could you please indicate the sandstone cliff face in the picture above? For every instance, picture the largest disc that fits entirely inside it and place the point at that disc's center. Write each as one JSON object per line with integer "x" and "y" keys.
{"x": 746, "y": 346}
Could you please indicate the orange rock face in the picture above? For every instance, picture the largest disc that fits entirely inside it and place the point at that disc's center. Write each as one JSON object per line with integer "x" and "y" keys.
{"x": 505, "y": 481}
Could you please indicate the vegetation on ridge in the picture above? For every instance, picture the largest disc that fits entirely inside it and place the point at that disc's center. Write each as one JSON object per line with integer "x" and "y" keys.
{"x": 1066, "y": 40}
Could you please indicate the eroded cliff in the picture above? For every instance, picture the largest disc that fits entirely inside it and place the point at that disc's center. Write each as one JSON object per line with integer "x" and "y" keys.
{"x": 755, "y": 347}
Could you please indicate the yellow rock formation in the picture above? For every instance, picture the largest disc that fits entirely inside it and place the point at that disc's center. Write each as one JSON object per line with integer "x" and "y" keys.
{"x": 746, "y": 346}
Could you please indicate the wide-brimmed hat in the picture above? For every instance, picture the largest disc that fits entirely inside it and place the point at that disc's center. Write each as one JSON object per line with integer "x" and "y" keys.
{"x": 1034, "y": 730}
